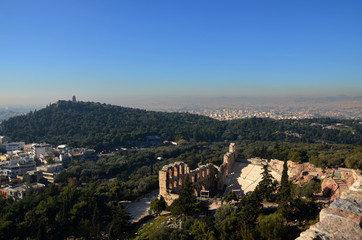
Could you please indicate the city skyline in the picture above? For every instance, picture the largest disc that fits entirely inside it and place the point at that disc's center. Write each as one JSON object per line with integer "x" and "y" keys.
{"x": 117, "y": 52}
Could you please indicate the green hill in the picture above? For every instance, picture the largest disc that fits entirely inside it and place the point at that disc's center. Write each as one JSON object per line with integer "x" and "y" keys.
{"x": 103, "y": 126}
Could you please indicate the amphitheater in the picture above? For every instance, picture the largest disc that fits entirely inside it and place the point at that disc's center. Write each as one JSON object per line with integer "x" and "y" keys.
{"x": 245, "y": 176}
{"x": 342, "y": 220}
{"x": 215, "y": 181}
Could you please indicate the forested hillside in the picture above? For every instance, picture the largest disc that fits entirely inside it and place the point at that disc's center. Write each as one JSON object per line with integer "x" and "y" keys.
{"x": 324, "y": 130}
{"x": 103, "y": 126}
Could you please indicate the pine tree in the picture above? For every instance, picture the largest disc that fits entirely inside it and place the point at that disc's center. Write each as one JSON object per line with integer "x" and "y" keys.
{"x": 120, "y": 228}
{"x": 186, "y": 203}
{"x": 229, "y": 197}
{"x": 158, "y": 205}
{"x": 266, "y": 186}
{"x": 249, "y": 208}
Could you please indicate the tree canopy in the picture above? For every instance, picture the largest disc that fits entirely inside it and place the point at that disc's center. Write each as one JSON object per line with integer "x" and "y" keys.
{"x": 186, "y": 203}
{"x": 102, "y": 126}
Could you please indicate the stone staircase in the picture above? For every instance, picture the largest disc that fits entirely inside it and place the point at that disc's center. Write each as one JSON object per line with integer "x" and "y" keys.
{"x": 244, "y": 177}
{"x": 233, "y": 184}
{"x": 343, "y": 219}
{"x": 252, "y": 184}
{"x": 341, "y": 185}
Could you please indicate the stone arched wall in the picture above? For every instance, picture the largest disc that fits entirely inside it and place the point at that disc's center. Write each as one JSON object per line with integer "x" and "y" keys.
{"x": 206, "y": 177}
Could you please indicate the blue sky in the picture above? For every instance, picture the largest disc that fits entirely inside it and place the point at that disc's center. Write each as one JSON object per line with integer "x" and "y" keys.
{"x": 111, "y": 50}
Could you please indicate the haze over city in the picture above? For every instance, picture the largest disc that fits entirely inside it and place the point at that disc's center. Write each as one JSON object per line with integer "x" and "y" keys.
{"x": 156, "y": 120}
{"x": 127, "y": 52}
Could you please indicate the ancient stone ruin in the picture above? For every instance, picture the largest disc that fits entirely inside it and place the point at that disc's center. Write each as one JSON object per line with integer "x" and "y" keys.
{"x": 335, "y": 181}
{"x": 207, "y": 178}
{"x": 343, "y": 218}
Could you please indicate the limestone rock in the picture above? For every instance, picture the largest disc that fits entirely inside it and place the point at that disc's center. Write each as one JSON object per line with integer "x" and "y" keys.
{"x": 330, "y": 188}
{"x": 342, "y": 220}
{"x": 349, "y": 205}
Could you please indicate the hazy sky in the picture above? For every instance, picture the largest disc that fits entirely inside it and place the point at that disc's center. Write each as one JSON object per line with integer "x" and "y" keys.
{"x": 112, "y": 50}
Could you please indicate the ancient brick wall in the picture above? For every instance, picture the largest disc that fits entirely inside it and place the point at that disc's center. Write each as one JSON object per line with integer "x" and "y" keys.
{"x": 206, "y": 177}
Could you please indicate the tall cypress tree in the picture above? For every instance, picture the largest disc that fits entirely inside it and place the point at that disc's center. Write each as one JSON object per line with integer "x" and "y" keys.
{"x": 284, "y": 198}
{"x": 95, "y": 228}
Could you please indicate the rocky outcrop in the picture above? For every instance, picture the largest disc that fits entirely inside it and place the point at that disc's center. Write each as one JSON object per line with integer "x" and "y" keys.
{"x": 343, "y": 218}
{"x": 299, "y": 173}
{"x": 330, "y": 188}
